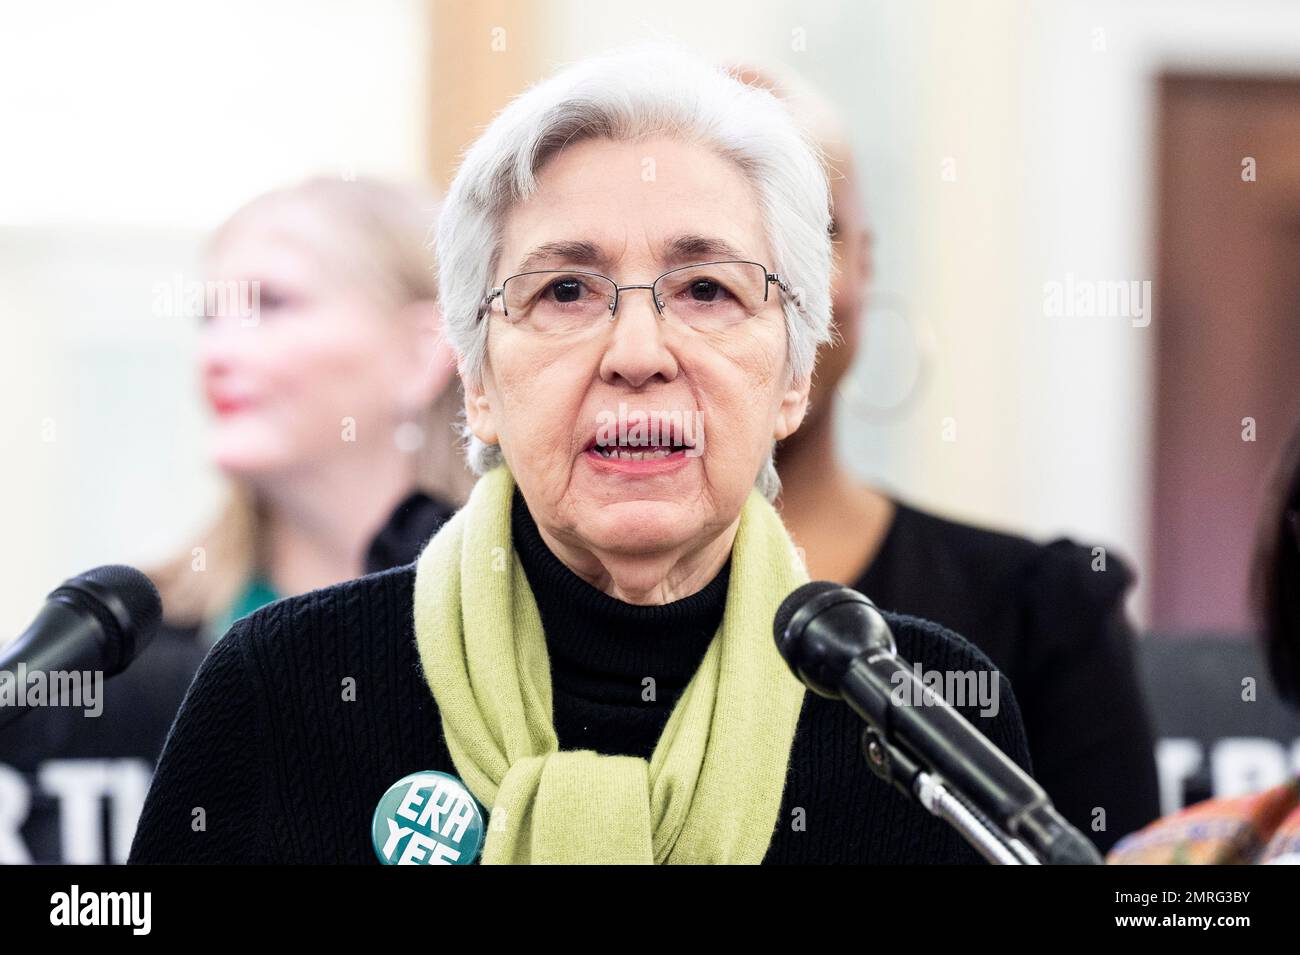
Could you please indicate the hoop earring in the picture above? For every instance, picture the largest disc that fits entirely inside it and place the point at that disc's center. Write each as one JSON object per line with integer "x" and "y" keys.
{"x": 850, "y": 391}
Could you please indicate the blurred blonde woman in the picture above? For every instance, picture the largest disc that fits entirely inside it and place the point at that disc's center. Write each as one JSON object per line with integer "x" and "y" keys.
{"x": 333, "y": 410}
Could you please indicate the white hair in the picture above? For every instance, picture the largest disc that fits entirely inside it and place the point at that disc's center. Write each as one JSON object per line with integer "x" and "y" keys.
{"x": 651, "y": 89}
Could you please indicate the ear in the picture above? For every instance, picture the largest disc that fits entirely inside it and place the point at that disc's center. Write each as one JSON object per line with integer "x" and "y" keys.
{"x": 433, "y": 360}
{"x": 794, "y": 404}
{"x": 478, "y": 408}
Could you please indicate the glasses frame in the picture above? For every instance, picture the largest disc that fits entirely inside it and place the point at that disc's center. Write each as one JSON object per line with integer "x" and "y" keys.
{"x": 772, "y": 278}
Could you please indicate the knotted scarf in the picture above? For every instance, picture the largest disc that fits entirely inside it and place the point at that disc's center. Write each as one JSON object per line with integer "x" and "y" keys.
{"x": 711, "y": 790}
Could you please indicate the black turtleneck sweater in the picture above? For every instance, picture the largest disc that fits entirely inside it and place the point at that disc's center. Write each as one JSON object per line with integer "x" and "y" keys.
{"x": 287, "y": 769}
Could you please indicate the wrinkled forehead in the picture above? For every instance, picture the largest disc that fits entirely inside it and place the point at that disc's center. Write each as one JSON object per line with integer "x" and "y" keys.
{"x": 642, "y": 205}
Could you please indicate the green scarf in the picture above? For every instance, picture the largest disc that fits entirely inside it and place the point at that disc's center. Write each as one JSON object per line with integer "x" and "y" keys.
{"x": 711, "y": 791}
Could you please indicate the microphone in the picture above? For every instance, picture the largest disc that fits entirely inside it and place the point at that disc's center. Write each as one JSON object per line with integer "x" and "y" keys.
{"x": 99, "y": 620}
{"x": 840, "y": 646}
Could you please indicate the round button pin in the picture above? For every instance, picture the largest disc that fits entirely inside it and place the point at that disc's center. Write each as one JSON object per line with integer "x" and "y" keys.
{"x": 427, "y": 818}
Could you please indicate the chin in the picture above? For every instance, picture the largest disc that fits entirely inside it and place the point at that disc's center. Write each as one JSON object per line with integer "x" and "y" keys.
{"x": 641, "y": 525}
{"x": 245, "y": 459}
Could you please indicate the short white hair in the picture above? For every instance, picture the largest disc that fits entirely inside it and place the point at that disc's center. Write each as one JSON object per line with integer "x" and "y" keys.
{"x": 650, "y": 89}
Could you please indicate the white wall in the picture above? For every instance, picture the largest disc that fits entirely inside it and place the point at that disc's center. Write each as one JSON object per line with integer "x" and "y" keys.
{"x": 149, "y": 112}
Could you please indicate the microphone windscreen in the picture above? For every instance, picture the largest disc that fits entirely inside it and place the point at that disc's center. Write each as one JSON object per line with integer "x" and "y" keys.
{"x": 123, "y": 600}
{"x": 798, "y": 597}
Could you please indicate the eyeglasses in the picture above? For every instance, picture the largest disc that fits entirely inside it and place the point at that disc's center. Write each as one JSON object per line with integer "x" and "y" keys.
{"x": 709, "y": 295}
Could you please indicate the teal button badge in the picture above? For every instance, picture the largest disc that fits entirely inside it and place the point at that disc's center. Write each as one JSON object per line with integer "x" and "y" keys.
{"x": 427, "y": 818}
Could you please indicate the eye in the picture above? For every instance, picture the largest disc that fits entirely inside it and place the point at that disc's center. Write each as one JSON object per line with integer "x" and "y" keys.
{"x": 272, "y": 299}
{"x": 707, "y": 290}
{"x": 566, "y": 290}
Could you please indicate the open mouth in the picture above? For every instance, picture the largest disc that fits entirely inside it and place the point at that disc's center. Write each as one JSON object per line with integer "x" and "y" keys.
{"x": 637, "y": 452}
{"x": 645, "y": 442}
{"x": 637, "y": 448}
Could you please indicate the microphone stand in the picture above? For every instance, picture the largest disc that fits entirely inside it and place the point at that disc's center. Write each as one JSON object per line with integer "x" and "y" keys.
{"x": 895, "y": 766}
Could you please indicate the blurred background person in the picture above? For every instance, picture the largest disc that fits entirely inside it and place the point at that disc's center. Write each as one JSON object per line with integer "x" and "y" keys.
{"x": 333, "y": 406}
{"x": 1262, "y": 827}
{"x": 1050, "y": 618}
{"x": 333, "y": 399}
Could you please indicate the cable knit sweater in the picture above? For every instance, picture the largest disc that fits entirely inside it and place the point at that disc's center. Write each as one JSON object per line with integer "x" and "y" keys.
{"x": 307, "y": 710}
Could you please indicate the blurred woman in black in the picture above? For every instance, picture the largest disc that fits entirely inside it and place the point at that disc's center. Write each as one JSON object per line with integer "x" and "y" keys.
{"x": 1051, "y": 617}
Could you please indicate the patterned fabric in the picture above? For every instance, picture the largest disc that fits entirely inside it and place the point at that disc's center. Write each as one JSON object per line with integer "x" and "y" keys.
{"x": 1259, "y": 829}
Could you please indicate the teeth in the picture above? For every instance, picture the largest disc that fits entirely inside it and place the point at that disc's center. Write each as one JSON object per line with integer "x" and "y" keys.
{"x": 622, "y": 455}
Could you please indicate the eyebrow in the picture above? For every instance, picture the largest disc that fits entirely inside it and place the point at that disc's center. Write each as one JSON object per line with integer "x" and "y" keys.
{"x": 680, "y": 250}
{"x": 685, "y": 249}
{"x": 563, "y": 252}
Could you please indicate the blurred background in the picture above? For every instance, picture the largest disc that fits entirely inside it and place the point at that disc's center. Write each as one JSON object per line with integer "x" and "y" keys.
{"x": 1011, "y": 153}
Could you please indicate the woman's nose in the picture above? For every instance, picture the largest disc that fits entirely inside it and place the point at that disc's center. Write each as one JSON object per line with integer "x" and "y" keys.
{"x": 638, "y": 349}
{"x": 223, "y": 340}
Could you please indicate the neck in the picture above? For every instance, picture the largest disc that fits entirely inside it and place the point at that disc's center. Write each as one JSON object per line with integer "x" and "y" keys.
{"x": 321, "y": 519}
{"x": 838, "y": 520}
{"x": 809, "y": 469}
{"x": 660, "y": 577}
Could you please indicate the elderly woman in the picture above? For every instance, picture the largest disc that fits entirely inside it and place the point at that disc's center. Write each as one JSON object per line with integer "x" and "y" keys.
{"x": 635, "y": 266}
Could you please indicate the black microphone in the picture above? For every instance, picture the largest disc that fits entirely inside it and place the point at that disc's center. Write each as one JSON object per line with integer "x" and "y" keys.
{"x": 840, "y": 646}
{"x": 100, "y": 620}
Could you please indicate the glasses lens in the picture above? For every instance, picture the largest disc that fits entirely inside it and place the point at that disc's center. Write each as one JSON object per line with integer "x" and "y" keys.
{"x": 719, "y": 293}
{"x": 557, "y": 301}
